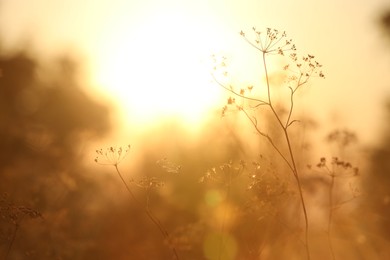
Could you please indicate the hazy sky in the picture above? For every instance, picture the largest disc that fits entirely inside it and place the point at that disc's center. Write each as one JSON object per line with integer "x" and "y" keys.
{"x": 136, "y": 48}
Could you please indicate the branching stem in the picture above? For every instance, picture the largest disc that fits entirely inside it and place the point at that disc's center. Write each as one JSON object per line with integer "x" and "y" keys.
{"x": 288, "y": 158}
{"x": 292, "y": 164}
{"x": 149, "y": 213}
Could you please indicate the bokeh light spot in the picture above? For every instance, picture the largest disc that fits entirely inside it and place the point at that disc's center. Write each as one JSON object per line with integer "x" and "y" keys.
{"x": 213, "y": 198}
{"x": 220, "y": 246}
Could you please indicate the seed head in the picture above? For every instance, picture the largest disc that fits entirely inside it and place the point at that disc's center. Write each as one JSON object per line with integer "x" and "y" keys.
{"x": 111, "y": 155}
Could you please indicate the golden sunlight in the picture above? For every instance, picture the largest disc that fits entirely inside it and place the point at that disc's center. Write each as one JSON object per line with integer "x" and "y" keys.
{"x": 160, "y": 68}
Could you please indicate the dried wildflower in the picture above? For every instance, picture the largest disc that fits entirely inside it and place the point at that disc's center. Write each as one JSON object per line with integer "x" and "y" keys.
{"x": 270, "y": 42}
{"x": 15, "y": 214}
{"x": 322, "y": 162}
{"x": 342, "y": 137}
{"x": 149, "y": 183}
{"x": 168, "y": 166}
{"x": 338, "y": 168}
{"x": 224, "y": 173}
{"x": 224, "y": 109}
{"x": 231, "y": 101}
{"x": 112, "y": 155}
{"x": 267, "y": 191}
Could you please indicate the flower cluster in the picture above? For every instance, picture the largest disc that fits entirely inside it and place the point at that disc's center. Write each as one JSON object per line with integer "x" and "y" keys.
{"x": 224, "y": 173}
{"x": 276, "y": 42}
{"x": 299, "y": 69}
{"x": 13, "y": 213}
{"x": 112, "y": 155}
{"x": 348, "y": 169}
{"x": 168, "y": 166}
{"x": 148, "y": 183}
{"x": 342, "y": 137}
{"x": 271, "y": 42}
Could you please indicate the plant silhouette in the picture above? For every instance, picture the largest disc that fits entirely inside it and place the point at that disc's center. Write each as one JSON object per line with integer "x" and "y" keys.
{"x": 274, "y": 42}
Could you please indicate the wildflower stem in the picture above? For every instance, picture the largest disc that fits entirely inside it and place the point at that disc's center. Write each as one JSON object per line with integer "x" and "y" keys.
{"x": 269, "y": 139}
{"x": 149, "y": 213}
{"x": 330, "y": 217}
{"x": 222, "y": 240}
{"x": 12, "y": 241}
{"x": 271, "y": 43}
{"x": 267, "y": 79}
{"x": 291, "y": 108}
{"x": 127, "y": 187}
{"x": 297, "y": 178}
{"x": 292, "y": 166}
{"x": 261, "y": 102}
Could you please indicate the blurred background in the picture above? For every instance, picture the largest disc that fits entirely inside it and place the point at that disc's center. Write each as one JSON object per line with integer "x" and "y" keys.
{"x": 76, "y": 77}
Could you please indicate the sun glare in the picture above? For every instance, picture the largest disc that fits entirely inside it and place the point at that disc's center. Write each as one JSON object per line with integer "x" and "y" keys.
{"x": 160, "y": 68}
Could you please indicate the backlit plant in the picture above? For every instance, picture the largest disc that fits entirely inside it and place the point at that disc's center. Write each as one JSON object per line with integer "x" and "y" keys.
{"x": 113, "y": 156}
{"x": 299, "y": 70}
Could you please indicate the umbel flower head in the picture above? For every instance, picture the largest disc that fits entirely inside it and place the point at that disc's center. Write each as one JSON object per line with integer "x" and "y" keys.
{"x": 276, "y": 42}
{"x": 111, "y": 155}
{"x": 272, "y": 41}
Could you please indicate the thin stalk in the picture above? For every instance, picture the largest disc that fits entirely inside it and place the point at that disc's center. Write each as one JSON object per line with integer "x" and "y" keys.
{"x": 150, "y": 215}
{"x": 267, "y": 79}
{"x": 291, "y": 155}
{"x": 297, "y": 178}
{"x": 261, "y": 102}
{"x": 12, "y": 241}
{"x": 291, "y": 108}
{"x": 330, "y": 217}
{"x": 222, "y": 242}
{"x": 268, "y": 138}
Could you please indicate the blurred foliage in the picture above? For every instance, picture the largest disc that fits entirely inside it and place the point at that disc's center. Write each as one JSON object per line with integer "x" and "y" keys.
{"x": 376, "y": 207}
{"x": 226, "y": 196}
{"x": 45, "y": 120}
{"x": 385, "y": 23}
{"x": 378, "y": 182}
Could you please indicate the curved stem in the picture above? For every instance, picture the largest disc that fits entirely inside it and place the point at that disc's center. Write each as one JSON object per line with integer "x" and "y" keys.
{"x": 149, "y": 213}
{"x": 222, "y": 228}
{"x": 261, "y": 102}
{"x": 12, "y": 241}
{"x": 291, "y": 109}
{"x": 269, "y": 140}
{"x": 330, "y": 217}
{"x": 267, "y": 79}
{"x": 297, "y": 178}
{"x": 292, "y": 166}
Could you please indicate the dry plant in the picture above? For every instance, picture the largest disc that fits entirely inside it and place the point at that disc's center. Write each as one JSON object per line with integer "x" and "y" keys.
{"x": 14, "y": 215}
{"x": 223, "y": 175}
{"x": 113, "y": 156}
{"x": 336, "y": 170}
{"x": 299, "y": 71}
